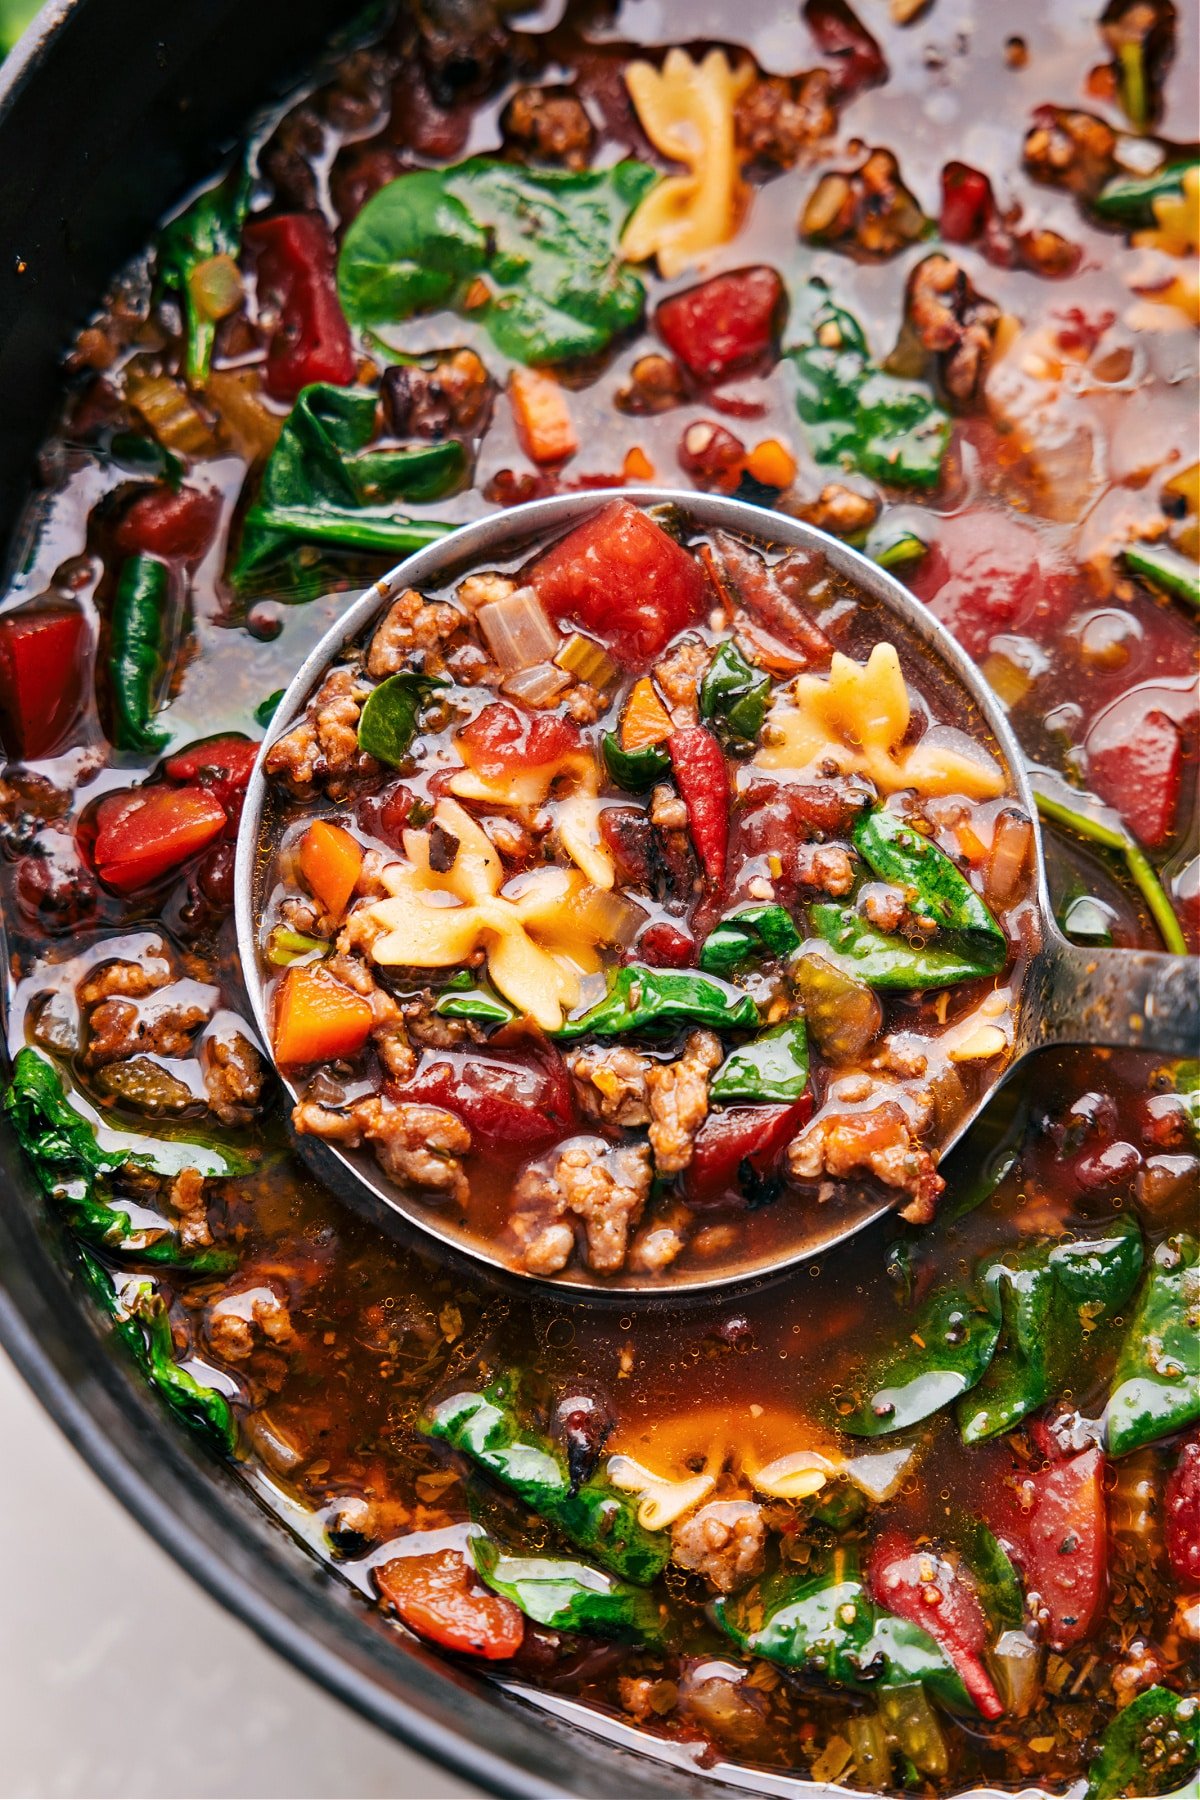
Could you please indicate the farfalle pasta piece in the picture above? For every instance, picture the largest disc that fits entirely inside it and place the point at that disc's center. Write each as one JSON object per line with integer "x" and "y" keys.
{"x": 857, "y": 719}
{"x": 577, "y": 814}
{"x": 686, "y": 109}
{"x": 539, "y": 932}
{"x": 660, "y": 1500}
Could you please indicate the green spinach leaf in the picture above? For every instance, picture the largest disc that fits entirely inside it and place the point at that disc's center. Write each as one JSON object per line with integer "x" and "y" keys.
{"x": 937, "y": 891}
{"x": 1129, "y": 199}
{"x": 1151, "y": 1747}
{"x": 642, "y": 999}
{"x": 570, "y": 1596}
{"x": 1156, "y": 1389}
{"x": 634, "y": 770}
{"x": 734, "y": 696}
{"x": 856, "y": 415}
{"x": 391, "y": 715}
{"x": 544, "y": 241}
{"x": 322, "y": 488}
{"x": 998, "y": 1582}
{"x": 750, "y": 933}
{"x": 892, "y": 962}
{"x": 210, "y": 226}
{"x": 772, "y": 1067}
{"x": 949, "y": 1346}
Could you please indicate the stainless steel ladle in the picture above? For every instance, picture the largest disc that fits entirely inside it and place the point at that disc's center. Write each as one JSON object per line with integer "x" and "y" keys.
{"x": 1123, "y": 999}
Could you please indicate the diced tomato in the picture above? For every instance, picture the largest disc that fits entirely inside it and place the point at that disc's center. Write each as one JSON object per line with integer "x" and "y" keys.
{"x": 739, "y": 1148}
{"x": 1135, "y": 763}
{"x": 440, "y": 1597}
{"x": 502, "y": 739}
{"x": 42, "y": 655}
{"x": 858, "y": 62}
{"x": 145, "y": 833}
{"x": 967, "y": 203}
{"x": 296, "y": 272}
{"x": 935, "y": 1594}
{"x": 387, "y": 814}
{"x": 698, "y": 762}
{"x": 507, "y": 1100}
{"x": 666, "y": 947}
{"x": 222, "y": 764}
{"x": 1182, "y": 1515}
{"x": 987, "y": 573}
{"x": 162, "y": 523}
{"x": 318, "y": 1018}
{"x": 620, "y": 576}
{"x": 1054, "y": 1523}
{"x": 724, "y": 324}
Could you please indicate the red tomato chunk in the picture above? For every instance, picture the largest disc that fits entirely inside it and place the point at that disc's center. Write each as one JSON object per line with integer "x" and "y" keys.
{"x": 1054, "y": 1522}
{"x": 222, "y": 764}
{"x": 699, "y": 765}
{"x": 440, "y": 1597}
{"x": 42, "y": 654}
{"x": 725, "y": 324}
{"x": 622, "y": 577}
{"x": 1135, "y": 763}
{"x": 160, "y": 523}
{"x": 507, "y": 1102}
{"x": 1182, "y": 1516}
{"x": 988, "y": 574}
{"x": 296, "y": 260}
{"x": 502, "y": 740}
{"x": 147, "y": 833}
{"x": 933, "y": 1593}
{"x": 752, "y": 1135}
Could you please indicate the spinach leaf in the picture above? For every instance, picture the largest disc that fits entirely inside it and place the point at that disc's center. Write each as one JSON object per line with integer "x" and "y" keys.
{"x": 1151, "y": 1747}
{"x": 937, "y": 891}
{"x": 772, "y": 1067}
{"x": 476, "y": 1001}
{"x": 892, "y": 962}
{"x": 752, "y": 932}
{"x": 544, "y": 241}
{"x": 570, "y": 1596}
{"x": 266, "y": 709}
{"x": 642, "y": 999}
{"x": 1187, "y": 1085}
{"x": 391, "y": 714}
{"x": 599, "y": 1518}
{"x": 145, "y": 456}
{"x": 1020, "y": 1377}
{"x": 857, "y": 415}
{"x": 734, "y": 696}
{"x": 1129, "y": 199}
{"x": 210, "y": 226}
{"x": 1156, "y": 1389}
{"x": 828, "y": 1626}
{"x": 70, "y": 1165}
{"x": 634, "y": 770}
{"x": 322, "y": 487}
{"x": 948, "y": 1348}
{"x": 137, "y": 654}
{"x": 997, "y": 1581}
{"x": 141, "y": 1322}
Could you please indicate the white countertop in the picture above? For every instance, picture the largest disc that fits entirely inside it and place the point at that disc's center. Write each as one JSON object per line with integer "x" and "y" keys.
{"x": 120, "y": 1678}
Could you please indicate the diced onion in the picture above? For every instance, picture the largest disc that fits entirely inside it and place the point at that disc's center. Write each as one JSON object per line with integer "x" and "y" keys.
{"x": 170, "y": 415}
{"x": 538, "y": 685}
{"x": 1012, "y": 846}
{"x": 794, "y": 1477}
{"x": 517, "y": 630}
{"x": 980, "y": 1045}
{"x": 612, "y": 917}
{"x": 1017, "y": 1664}
{"x": 878, "y": 1473}
{"x": 587, "y": 661}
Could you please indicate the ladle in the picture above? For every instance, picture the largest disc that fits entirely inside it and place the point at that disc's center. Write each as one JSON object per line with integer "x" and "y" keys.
{"x": 1123, "y": 999}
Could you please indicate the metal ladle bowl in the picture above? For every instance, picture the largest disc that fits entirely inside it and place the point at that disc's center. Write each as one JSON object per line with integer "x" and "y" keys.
{"x": 1124, "y": 999}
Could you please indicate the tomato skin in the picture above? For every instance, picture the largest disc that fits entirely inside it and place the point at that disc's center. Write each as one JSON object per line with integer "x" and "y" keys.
{"x": 221, "y": 764}
{"x": 967, "y": 203}
{"x": 703, "y": 781}
{"x": 162, "y": 523}
{"x": 1182, "y": 1515}
{"x": 620, "y": 576}
{"x": 43, "y": 650}
{"x": 931, "y": 1592}
{"x": 664, "y": 946}
{"x": 757, "y": 1135}
{"x": 503, "y": 739}
{"x": 509, "y": 1101}
{"x": 724, "y": 324}
{"x": 1055, "y": 1523}
{"x": 296, "y": 258}
{"x": 858, "y": 62}
{"x": 145, "y": 833}
{"x": 1135, "y": 763}
{"x": 439, "y": 1597}
{"x": 987, "y": 573}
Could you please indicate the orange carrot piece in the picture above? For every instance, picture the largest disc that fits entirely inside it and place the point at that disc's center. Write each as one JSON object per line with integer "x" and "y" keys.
{"x": 330, "y": 862}
{"x": 645, "y": 719}
{"x": 772, "y": 463}
{"x": 318, "y": 1018}
{"x": 542, "y": 417}
{"x": 637, "y": 465}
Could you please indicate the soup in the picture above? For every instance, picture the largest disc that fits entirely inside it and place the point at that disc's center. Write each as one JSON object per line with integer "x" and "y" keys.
{"x": 922, "y": 1515}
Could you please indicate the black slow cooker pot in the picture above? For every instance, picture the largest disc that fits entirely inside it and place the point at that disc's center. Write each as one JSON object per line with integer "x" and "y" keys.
{"x": 108, "y": 110}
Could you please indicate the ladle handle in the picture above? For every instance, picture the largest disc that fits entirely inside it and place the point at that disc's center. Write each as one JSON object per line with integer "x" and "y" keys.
{"x": 1125, "y": 999}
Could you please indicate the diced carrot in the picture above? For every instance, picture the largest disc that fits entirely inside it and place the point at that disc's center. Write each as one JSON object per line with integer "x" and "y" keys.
{"x": 330, "y": 862}
{"x": 542, "y": 417}
{"x": 637, "y": 465}
{"x": 645, "y": 720}
{"x": 970, "y": 843}
{"x": 318, "y": 1018}
{"x": 772, "y": 463}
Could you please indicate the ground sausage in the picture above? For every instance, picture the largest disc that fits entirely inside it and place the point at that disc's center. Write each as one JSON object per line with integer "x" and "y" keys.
{"x": 724, "y": 1542}
{"x": 678, "y": 1094}
{"x": 879, "y": 1143}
